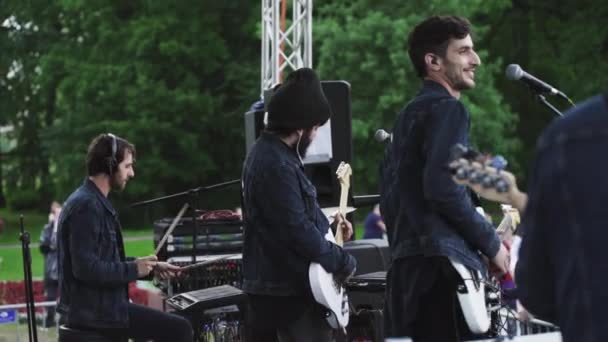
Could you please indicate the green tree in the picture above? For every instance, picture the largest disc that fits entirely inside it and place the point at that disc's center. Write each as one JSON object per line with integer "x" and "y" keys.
{"x": 27, "y": 102}
{"x": 561, "y": 42}
{"x": 174, "y": 78}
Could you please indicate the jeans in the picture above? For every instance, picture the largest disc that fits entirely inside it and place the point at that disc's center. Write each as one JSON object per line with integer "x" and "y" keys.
{"x": 51, "y": 287}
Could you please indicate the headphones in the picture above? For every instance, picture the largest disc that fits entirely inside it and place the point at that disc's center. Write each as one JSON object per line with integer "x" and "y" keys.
{"x": 112, "y": 162}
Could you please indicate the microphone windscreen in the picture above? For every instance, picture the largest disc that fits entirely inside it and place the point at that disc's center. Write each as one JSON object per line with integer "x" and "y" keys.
{"x": 514, "y": 72}
{"x": 381, "y": 135}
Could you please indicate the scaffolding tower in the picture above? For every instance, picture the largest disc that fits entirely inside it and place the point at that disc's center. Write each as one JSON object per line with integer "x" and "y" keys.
{"x": 285, "y": 47}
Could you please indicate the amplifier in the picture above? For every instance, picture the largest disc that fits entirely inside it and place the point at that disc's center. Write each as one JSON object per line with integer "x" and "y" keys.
{"x": 366, "y": 291}
{"x": 369, "y": 282}
{"x": 372, "y": 255}
{"x": 201, "y": 300}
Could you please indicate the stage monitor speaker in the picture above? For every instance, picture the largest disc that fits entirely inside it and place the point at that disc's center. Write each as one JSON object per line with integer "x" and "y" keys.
{"x": 366, "y": 288}
{"x": 372, "y": 255}
{"x": 254, "y": 124}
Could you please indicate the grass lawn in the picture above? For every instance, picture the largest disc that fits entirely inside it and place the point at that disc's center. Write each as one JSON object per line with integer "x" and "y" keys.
{"x": 33, "y": 222}
{"x": 11, "y": 264}
{"x": 11, "y": 258}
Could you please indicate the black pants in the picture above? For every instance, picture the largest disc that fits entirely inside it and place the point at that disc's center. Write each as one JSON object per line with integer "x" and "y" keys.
{"x": 287, "y": 319}
{"x": 421, "y": 301}
{"x": 148, "y": 323}
{"x": 51, "y": 287}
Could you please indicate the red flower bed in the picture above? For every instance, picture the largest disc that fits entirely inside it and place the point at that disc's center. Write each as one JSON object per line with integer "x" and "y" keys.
{"x": 13, "y": 292}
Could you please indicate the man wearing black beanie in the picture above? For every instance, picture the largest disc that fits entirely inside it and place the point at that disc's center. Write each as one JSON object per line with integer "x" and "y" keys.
{"x": 284, "y": 227}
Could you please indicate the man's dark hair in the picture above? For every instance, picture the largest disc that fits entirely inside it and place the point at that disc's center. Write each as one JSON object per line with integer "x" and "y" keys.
{"x": 100, "y": 158}
{"x": 280, "y": 131}
{"x": 283, "y": 132}
{"x": 433, "y": 35}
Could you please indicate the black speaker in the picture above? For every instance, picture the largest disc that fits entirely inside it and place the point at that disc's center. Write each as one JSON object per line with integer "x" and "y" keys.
{"x": 372, "y": 255}
{"x": 254, "y": 124}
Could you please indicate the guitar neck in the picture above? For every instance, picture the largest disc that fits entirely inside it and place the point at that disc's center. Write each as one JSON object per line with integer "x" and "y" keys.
{"x": 341, "y": 211}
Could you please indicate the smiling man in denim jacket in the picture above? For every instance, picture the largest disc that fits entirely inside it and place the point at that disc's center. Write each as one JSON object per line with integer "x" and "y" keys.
{"x": 284, "y": 226}
{"x": 432, "y": 219}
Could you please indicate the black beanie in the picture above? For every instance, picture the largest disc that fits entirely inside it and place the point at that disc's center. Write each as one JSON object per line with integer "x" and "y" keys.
{"x": 299, "y": 102}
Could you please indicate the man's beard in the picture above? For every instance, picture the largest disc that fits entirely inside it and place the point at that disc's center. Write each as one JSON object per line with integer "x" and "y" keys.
{"x": 457, "y": 79}
{"x": 116, "y": 184}
{"x": 304, "y": 143}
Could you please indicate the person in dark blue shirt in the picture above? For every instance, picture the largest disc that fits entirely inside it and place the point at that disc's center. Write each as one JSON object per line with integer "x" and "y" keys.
{"x": 48, "y": 248}
{"x": 374, "y": 226}
{"x": 284, "y": 227}
{"x": 435, "y": 220}
{"x": 94, "y": 272}
{"x": 562, "y": 270}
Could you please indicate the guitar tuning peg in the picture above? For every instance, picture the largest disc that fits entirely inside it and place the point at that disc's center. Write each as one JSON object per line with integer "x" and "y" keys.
{"x": 487, "y": 181}
{"x": 476, "y": 177}
{"x": 498, "y": 162}
{"x": 461, "y": 173}
{"x": 501, "y": 185}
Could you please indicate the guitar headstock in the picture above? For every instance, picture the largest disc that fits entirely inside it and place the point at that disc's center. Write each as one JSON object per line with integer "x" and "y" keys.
{"x": 343, "y": 173}
{"x": 472, "y": 168}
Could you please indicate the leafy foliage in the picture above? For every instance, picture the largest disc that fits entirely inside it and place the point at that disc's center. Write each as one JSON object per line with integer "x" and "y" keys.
{"x": 151, "y": 72}
{"x": 176, "y": 77}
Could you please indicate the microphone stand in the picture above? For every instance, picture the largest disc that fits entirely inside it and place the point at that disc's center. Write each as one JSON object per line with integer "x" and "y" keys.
{"x": 192, "y": 194}
{"x": 544, "y": 101}
{"x": 29, "y": 293}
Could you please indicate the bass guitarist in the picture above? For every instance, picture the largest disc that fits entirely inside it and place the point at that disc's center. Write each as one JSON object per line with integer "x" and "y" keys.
{"x": 284, "y": 227}
{"x": 430, "y": 220}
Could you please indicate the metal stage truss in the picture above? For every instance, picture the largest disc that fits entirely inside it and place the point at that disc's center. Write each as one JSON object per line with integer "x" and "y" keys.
{"x": 285, "y": 46}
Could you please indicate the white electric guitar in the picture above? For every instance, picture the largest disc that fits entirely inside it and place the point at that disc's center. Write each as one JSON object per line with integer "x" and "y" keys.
{"x": 327, "y": 291}
{"x": 472, "y": 294}
{"x": 478, "y": 300}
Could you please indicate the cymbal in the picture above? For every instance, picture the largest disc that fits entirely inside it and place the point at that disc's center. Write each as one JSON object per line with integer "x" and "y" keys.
{"x": 330, "y": 212}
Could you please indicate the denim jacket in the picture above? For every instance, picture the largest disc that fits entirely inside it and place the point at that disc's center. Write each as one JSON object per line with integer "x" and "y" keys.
{"x": 562, "y": 270}
{"x": 93, "y": 271}
{"x": 433, "y": 215}
{"x": 48, "y": 247}
{"x": 284, "y": 226}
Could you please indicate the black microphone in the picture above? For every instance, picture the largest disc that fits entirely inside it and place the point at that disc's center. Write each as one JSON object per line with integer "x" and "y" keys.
{"x": 516, "y": 73}
{"x": 382, "y": 136}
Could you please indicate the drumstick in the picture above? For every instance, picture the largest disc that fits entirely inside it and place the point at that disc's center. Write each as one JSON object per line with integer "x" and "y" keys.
{"x": 207, "y": 262}
{"x": 170, "y": 230}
